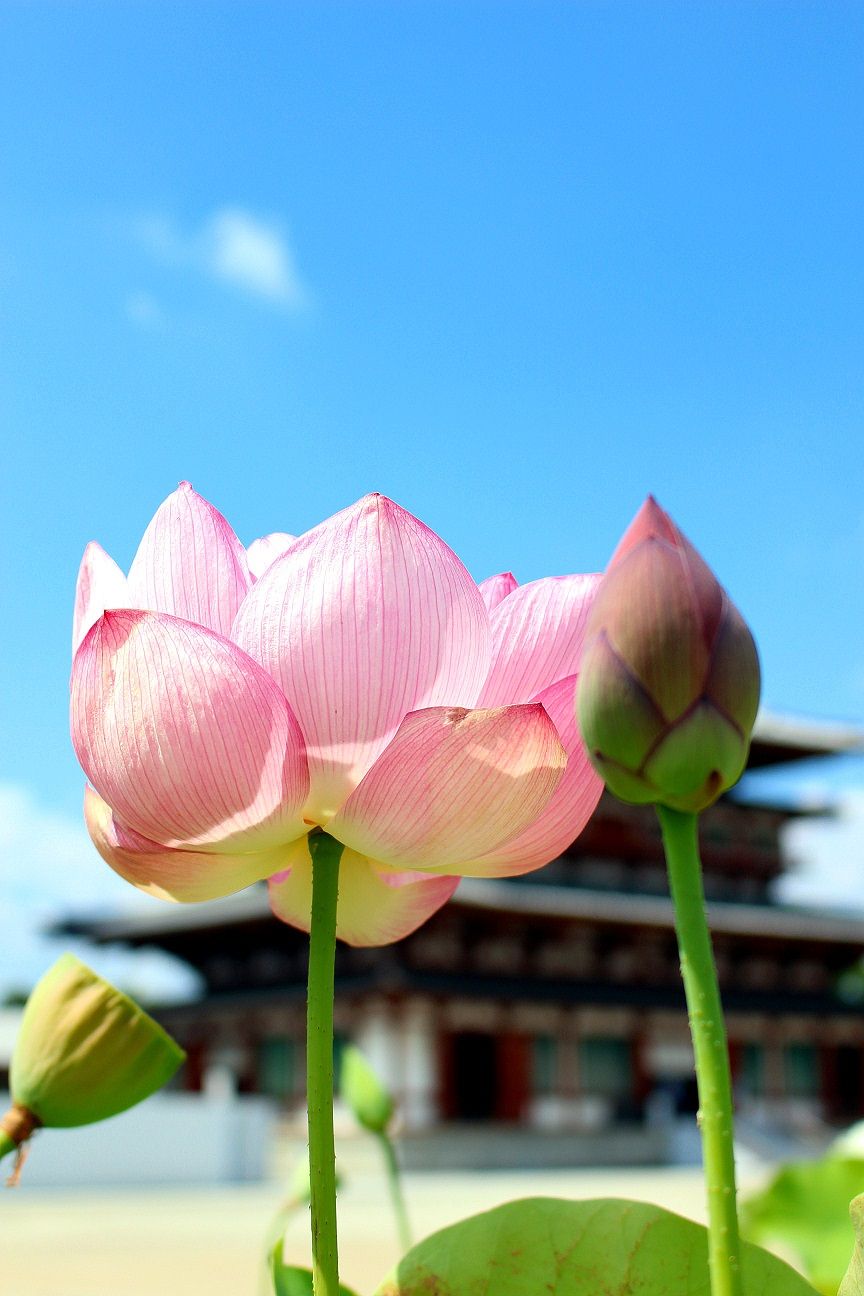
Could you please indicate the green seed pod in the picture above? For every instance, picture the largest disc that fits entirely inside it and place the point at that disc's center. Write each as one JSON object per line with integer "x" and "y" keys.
{"x": 85, "y": 1050}
{"x": 370, "y": 1103}
{"x": 669, "y": 685}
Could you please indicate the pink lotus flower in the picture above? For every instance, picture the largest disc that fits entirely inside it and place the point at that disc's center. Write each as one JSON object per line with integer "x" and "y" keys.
{"x": 670, "y": 686}
{"x": 226, "y": 702}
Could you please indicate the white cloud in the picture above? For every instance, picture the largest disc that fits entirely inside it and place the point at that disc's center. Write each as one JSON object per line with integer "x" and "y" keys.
{"x": 143, "y": 309}
{"x": 232, "y": 246}
{"x": 50, "y": 869}
{"x": 253, "y": 254}
{"x": 826, "y": 856}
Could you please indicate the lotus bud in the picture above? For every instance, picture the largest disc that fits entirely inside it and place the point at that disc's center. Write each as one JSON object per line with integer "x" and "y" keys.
{"x": 85, "y": 1052}
{"x": 370, "y": 1103}
{"x": 669, "y": 685}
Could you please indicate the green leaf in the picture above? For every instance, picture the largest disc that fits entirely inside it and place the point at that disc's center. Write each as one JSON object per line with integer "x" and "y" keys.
{"x": 545, "y": 1247}
{"x": 805, "y": 1207}
{"x": 274, "y": 1234}
{"x": 853, "y": 1283}
{"x": 274, "y": 1237}
{"x": 370, "y": 1103}
{"x": 289, "y": 1280}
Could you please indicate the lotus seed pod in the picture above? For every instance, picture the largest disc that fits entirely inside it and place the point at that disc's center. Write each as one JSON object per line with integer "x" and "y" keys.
{"x": 85, "y": 1050}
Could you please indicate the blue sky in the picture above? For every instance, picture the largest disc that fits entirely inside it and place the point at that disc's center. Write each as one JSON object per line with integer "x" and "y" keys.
{"x": 513, "y": 264}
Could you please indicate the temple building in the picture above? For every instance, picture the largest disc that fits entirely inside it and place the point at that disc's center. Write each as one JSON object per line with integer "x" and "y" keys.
{"x": 551, "y": 1002}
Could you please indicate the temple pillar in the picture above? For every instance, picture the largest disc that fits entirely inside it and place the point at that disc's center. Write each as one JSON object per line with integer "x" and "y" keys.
{"x": 222, "y": 1070}
{"x": 420, "y": 1105}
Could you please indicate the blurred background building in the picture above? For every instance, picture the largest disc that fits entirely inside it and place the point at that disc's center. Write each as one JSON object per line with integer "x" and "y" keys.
{"x": 550, "y": 1005}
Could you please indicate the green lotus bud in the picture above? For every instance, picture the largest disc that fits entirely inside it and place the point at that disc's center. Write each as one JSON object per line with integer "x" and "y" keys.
{"x": 669, "y": 685}
{"x": 85, "y": 1052}
{"x": 370, "y": 1103}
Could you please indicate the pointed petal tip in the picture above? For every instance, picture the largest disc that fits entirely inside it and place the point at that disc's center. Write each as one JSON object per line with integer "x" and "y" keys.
{"x": 100, "y": 583}
{"x": 190, "y": 563}
{"x": 650, "y": 523}
{"x": 119, "y": 618}
{"x": 651, "y": 517}
{"x": 374, "y": 575}
{"x": 495, "y": 589}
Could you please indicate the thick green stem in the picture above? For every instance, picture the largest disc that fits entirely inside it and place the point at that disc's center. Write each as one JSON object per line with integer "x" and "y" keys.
{"x": 326, "y": 854}
{"x": 681, "y": 841}
{"x": 394, "y": 1181}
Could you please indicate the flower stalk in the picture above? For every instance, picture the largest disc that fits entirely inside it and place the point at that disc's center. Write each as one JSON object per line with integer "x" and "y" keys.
{"x": 9, "y": 1144}
{"x": 394, "y": 1183}
{"x": 707, "y": 1027}
{"x": 326, "y": 854}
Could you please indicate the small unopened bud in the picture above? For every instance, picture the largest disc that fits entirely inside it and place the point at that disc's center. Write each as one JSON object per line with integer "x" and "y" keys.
{"x": 85, "y": 1051}
{"x": 669, "y": 685}
{"x": 370, "y": 1103}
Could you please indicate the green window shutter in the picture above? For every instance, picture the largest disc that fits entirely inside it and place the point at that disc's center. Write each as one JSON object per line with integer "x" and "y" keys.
{"x": 277, "y": 1066}
{"x": 604, "y": 1067}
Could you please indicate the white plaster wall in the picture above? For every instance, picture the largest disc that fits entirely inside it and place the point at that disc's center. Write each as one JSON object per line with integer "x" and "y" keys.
{"x": 170, "y": 1139}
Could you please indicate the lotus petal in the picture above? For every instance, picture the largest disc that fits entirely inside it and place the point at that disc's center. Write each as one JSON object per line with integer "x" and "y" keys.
{"x": 172, "y": 874}
{"x": 496, "y": 588}
{"x": 262, "y": 552}
{"x": 537, "y": 634}
{"x": 452, "y": 785}
{"x": 101, "y": 584}
{"x": 615, "y": 712}
{"x": 189, "y": 741}
{"x": 572, "y": 805}
{"x": 646, "y": 607}
{"x": 190, "y": 563}
{"x": 376, "y": 905}
{"x": 365, "y": 618}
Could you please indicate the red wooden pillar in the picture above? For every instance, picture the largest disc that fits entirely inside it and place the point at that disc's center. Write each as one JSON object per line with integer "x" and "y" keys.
{"x": 513, "y": 1075}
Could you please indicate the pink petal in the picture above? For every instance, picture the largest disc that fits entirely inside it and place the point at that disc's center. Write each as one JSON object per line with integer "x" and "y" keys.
{"x": 365, "y": 618}
{"x": 262, "y": 552}
{"x": 190, "y": 563}
{"x": 452, "y": 785}
{"x": 572, "y": 805}
{"x": 496, "y": 588}
{"x": 376, "y": 906}
{"x": 101, "y": 584}
{"x": 188, "y": 740}
{"x": 537, "y": 635}
{"x": 185, "y": 875}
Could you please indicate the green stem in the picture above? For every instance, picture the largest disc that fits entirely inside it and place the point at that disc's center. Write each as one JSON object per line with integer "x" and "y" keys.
{"x": 394, "y": 1181}
{"x": 326, "y": 854}
{"x": 681, "y": 842}
{"x": 7, "y": 1144}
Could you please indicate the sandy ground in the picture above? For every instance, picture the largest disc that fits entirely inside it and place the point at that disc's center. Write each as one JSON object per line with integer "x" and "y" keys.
{"x": 206, "y": 1242}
